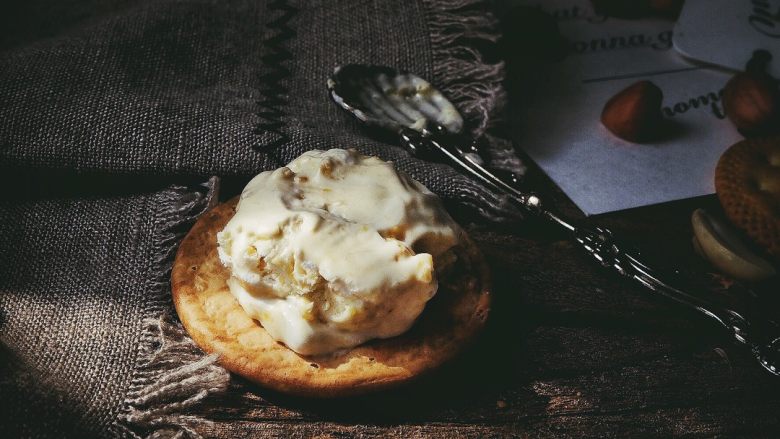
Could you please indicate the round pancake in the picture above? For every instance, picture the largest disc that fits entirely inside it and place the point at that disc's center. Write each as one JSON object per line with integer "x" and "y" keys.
{"x": 217, "y": 323}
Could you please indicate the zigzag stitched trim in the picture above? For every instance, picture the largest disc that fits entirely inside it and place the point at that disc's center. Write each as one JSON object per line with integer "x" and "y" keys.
{"x": 273, "y": 86}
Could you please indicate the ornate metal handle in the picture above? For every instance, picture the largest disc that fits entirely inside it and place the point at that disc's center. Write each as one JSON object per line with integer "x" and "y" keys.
{"x": 760, "y": 335}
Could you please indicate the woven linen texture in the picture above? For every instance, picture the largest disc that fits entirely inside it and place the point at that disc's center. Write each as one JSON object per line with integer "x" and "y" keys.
{"x": 109, "y": 108}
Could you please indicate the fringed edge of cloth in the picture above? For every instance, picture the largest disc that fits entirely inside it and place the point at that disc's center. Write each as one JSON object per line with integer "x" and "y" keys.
{"x": 462, "y": 35}
{"x": 171, "y": 374}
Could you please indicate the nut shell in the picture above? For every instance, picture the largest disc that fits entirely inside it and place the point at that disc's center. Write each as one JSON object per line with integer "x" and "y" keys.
{"x": 751, "y": 102}
{"x": 634, "y": 114}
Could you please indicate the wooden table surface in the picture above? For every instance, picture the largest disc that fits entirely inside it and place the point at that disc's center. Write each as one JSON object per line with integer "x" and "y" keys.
{"x": 570, "y": 351}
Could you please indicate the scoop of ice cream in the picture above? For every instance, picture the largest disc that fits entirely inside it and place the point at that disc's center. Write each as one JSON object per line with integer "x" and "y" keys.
{"x": 335, "y": 249}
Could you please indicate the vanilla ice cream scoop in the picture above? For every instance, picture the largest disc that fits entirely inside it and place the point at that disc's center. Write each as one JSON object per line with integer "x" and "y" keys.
{"x": 335, "y": 249}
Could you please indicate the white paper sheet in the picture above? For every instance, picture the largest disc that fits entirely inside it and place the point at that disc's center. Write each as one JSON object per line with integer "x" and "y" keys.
{"x": 559, "y": 124}
{"x": 726, "y": 32}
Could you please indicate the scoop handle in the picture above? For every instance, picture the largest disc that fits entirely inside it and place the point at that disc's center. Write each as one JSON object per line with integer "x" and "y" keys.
{"x": 434, "y": 144}
{"x": 760, "y": 335}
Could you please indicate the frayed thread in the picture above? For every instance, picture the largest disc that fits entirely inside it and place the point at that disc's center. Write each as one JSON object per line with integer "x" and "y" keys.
{"x": 174, "y": 378}
{"x": 171, "y": 373}
{"x": 472, "y": 83}
{"x": 458, "y": 30}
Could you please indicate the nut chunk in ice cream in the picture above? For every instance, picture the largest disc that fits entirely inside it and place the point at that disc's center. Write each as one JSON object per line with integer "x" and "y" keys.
{"x": 335, "y": 249}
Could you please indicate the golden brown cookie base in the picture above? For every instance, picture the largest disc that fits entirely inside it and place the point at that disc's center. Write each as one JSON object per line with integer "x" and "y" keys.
{"x": 747, "y": 180}
{"x": 217, "y": 323}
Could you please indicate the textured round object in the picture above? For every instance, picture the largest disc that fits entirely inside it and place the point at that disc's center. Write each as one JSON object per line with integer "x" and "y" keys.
{"x": 747, "y": 180}
{"x": 217, "y": 323}
{"x": 752, "y": 102}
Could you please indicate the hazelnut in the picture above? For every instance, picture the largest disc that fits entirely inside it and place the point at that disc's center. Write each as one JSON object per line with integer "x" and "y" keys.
{"x": 634, "y": 114}
{"x": 750, "y": 101}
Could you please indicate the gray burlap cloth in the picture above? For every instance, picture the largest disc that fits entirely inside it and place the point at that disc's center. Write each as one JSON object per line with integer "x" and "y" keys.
{"x": 115, "y": 115}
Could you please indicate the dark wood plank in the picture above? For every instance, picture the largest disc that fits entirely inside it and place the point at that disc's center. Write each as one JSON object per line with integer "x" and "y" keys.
{"x": 557, "y": 381}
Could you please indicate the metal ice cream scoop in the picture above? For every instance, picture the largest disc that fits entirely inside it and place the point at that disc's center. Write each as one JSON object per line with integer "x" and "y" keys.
{"x": 430, "y": 127}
